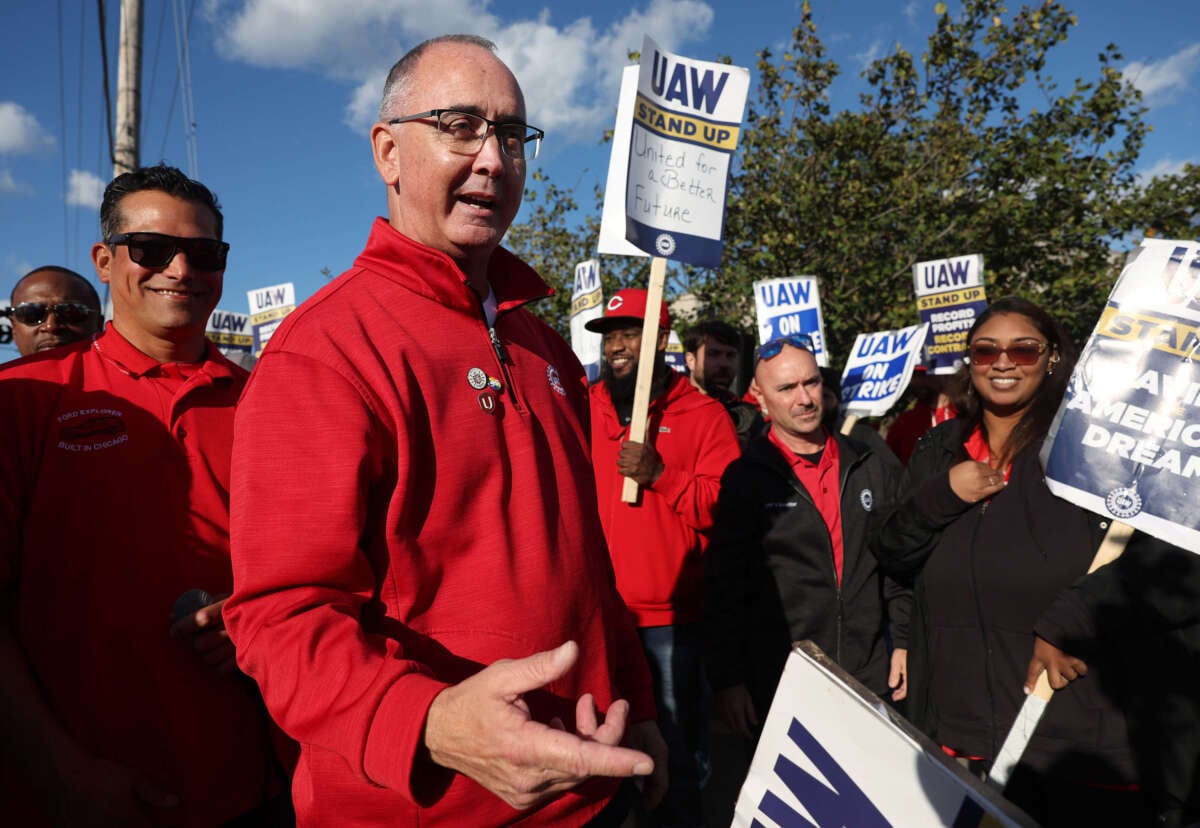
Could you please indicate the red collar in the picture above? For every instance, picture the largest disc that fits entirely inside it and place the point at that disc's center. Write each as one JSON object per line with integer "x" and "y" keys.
{"x": 978, "y": 450}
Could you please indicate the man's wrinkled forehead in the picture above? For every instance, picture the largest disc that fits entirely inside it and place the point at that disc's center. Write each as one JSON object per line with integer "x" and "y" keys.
{"x": 444, "y": 77}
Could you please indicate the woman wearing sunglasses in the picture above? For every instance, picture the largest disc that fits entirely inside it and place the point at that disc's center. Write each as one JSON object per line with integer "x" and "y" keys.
{"x": 989, "y": 548}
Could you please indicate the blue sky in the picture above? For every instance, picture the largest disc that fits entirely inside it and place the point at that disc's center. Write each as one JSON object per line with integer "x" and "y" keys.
{"x": 283, "y": 93}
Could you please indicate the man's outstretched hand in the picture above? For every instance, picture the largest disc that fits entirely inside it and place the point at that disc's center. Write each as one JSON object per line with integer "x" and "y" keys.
{"x": 482, "y": 728}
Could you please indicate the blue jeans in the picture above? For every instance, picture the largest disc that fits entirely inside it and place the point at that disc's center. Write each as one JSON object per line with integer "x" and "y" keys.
{"x": 676, "y": 657}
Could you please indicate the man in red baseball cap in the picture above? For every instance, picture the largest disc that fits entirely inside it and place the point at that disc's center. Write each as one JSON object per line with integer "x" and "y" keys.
{"x": 657, "y": 543}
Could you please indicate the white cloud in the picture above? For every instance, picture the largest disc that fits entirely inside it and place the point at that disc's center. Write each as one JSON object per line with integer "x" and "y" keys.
{"x": 8, "y": 186}
{"x": 871, "y": 54}
{"x": 570, "y": 72}
{"x": 20, "y": 131}
{"x": 911, "y": 10}
{"x": 1162, "y": 80}
{"x": 85, "y": 189}
{"x": 1163, "y": 168}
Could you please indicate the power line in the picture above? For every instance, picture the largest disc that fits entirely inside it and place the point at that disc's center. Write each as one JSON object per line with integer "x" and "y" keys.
{"x": 184, "y": 62}
{"x": 149, "y": 99}
{"x": 62, "y": 120}
{"x": 112, "y": 155}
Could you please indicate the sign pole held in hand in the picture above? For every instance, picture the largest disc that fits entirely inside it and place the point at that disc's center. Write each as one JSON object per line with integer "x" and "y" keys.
{"x": 1115, "y": 540}
{"x": 645, "y": 375}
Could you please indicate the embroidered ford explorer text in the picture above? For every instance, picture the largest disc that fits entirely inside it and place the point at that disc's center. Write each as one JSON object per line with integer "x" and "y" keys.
{"x": 92, "y": 429}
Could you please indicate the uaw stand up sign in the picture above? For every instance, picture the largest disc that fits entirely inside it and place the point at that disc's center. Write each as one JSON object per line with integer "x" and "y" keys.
{"x": 687, "y": 118}
{"x": 950, "y": 296}
{"x": 1126, "y": 439}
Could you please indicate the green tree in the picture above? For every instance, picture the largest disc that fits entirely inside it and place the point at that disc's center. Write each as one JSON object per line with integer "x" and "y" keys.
{"x": 1167, "y": 206}
{"x": 970, "y": 148}
{"x": 944, "y": 157}
{"x": 557, "y": 235}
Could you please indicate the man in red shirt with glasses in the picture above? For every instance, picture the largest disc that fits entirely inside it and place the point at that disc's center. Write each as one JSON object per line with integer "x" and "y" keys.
{"x": 52, "y": 306}
{"x": 422, "y": 590}
{"x": 120, "y": 702}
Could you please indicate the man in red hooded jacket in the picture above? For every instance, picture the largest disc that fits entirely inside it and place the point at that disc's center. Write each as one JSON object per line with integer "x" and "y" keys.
{"x": 656, "y": 543}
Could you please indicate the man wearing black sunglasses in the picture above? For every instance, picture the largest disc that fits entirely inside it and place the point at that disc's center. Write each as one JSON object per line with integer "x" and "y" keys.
{"x": 52, "y": 306}
{"x": 114, "y": 502}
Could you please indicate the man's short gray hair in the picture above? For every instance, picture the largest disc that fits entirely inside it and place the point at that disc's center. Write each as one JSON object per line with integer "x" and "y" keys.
{"x": 399, "y": 79}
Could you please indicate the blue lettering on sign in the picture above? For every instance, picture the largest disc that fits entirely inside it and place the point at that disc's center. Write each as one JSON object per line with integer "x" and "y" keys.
{"x": 884, "y": 344}
{"x": 946, "y": 274}
{"x": 800, "y": 322}
{"x": 270, "y": 298}
{"x": 228, "y": 322}
{"x": 587, "y": 277}
{"x": 832, "y": 807}
{"x": 704, "y": 92}
{"x": 874, "y": 380}
{"x": 777, "y": 294}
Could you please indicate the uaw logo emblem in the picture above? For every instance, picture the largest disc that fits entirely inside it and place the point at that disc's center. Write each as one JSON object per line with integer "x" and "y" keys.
{"x": 1123, "y": 502}
{"x": 91, "y": 429}
{"x": 555, "y": 381}
{"x": 664, "y": 244}
{"x": 867, "y": 499}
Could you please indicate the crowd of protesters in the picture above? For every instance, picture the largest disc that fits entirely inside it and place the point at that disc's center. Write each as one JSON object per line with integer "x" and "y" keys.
{"x": 413, "y": 570}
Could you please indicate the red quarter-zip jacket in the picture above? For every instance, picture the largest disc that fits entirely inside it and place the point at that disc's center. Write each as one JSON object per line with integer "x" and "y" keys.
{"x": 412, "y": 501}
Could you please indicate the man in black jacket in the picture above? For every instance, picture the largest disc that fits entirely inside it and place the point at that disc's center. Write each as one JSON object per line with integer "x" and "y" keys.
{"x": 789, "y": 558}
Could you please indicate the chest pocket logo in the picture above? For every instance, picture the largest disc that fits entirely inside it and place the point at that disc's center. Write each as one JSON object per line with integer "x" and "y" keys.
{"x": 92, "y": 430}
{"x": 867, "y": 499}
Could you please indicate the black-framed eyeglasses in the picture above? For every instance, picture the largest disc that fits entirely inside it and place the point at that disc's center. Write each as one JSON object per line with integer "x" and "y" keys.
{"x": 156, "y": 250}
{"x": 35, "y": 313}
{"x": 771, "y": 348}
{"x": 465, "y": 132}
{"x": 1019, "y": 353}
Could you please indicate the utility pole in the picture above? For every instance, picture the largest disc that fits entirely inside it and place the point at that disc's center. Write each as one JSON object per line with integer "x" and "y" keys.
{"x": 126, "y": 146}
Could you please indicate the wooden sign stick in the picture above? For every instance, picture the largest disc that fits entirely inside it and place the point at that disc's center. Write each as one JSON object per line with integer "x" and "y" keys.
{"x": 1115, "y": 540}
{"x": 645, "y": 375}
{"x": 848, "y": 423}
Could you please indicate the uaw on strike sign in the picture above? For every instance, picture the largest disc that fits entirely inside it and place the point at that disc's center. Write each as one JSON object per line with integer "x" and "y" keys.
{"x": 1126, "y": 439}
{"x": 879, "y": 369}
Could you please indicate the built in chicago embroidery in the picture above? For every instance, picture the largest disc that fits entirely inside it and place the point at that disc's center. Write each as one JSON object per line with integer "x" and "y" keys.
{"x": 92, "y": 429}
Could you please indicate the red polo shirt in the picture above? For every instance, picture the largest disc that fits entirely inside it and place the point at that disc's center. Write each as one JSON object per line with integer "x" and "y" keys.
{"x": 821, "y": 481}
{"x": 114, "y": 500}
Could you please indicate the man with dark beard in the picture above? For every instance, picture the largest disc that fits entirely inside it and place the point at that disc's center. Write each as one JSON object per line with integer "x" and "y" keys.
{"x": 712, "y": 351}
{"x": 657, "y": 543}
